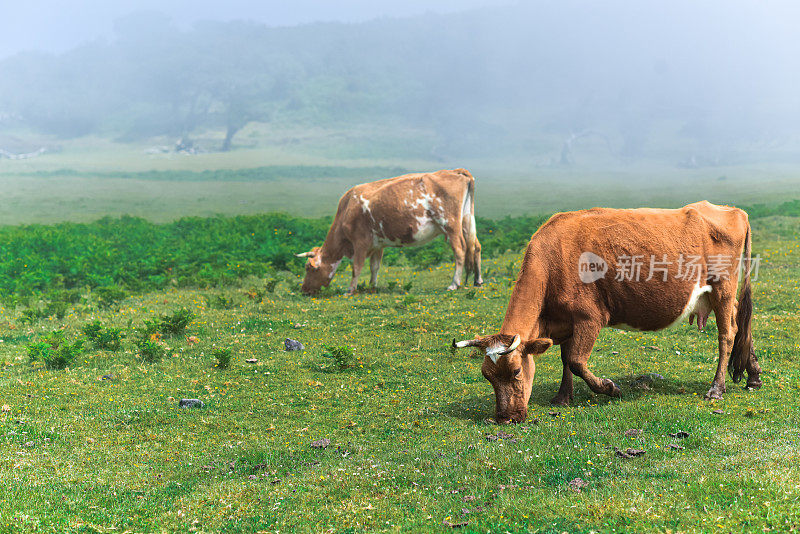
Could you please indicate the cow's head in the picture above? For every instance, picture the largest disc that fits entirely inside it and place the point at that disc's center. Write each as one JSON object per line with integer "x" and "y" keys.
{"x": 318, "y": 272}
{"x": 509, "y": 364}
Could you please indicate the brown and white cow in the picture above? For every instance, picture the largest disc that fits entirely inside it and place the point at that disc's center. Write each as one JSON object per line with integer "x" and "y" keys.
{"x": 579, "y": 274}
{"x": 404, "y": 211}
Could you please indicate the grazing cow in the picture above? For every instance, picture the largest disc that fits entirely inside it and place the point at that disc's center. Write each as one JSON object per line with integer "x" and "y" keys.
{"x": 404, "y": 211}
{"x": 641, "y": 269}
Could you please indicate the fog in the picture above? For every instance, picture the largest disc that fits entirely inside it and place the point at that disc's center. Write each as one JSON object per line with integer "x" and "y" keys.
{"x": 680, "y": 83}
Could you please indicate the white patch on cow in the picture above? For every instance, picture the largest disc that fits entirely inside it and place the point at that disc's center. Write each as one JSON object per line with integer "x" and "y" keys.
{"x": 465, "y": 209}
{"x": 334, "y": 266}
{"x": 698, "y": 301}
{"x": 430, "y": 222}
{"x": 364, "y": 204}
{"x": 427, "y": 230}
{"x": 494, "y": 352}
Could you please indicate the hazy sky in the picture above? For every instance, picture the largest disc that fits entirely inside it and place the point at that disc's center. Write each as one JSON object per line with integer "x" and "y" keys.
{"x": 58, "y": 25}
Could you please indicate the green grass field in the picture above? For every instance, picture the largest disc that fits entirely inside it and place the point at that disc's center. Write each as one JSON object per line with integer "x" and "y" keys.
{"x": 410, "y": 448}
{"x": 102, "y": 445}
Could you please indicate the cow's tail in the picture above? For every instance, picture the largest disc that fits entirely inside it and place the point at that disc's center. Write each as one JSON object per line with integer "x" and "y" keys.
{"x": 743, "y": 342}
{"x": 468, "y": 226}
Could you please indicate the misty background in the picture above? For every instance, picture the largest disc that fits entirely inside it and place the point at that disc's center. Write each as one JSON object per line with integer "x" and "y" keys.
{"x": 553, "y": 83}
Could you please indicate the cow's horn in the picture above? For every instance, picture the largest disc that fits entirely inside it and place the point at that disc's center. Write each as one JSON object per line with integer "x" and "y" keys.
{"x": 514, "y": 344}
{"x": 465, "y": 343}
{"x": 310, "y": 253}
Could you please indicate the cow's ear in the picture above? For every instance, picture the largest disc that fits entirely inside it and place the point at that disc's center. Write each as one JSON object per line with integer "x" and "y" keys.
{"x": 537, "y": 346}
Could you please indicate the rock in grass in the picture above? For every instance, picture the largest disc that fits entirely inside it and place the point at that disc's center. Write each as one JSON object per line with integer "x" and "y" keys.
{"x": 628, "y": 453}
{"x": 577, "y": 484}
{"x": 320, "y": 443}
{"x": 633, "y": 432}
{"x": 681, "y": 434}
{"x": 291, "y": 344}
{"x": 191, "y": 403}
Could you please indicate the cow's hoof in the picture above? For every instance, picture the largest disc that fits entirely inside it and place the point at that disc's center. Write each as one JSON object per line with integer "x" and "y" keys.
{"x": 452, "y": 287}
{"x": 614, "y": 390}
{"x": 714, "y": 393}
{"x": 561, "y": 400}
{"x": 479, "y": 283}
{"x": 753, "y": 382}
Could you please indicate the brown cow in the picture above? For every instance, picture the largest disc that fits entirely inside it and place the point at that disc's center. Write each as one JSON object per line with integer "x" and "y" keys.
{"x": 404, "y": 211}
{"x": 642, "y": 269}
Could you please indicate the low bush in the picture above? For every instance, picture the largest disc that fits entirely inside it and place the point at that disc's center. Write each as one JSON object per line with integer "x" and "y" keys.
{"x": 150, "y": 350}
{"x": 54, "y": 351}
{"x": 175, "y": 324}
{"x": 223, "y": 357}
{"x": 103, "y": 338}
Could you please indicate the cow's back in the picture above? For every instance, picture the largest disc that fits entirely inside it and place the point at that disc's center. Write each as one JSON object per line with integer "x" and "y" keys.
{"x": 639, "y": 248}
{"x": 408, "y": 209}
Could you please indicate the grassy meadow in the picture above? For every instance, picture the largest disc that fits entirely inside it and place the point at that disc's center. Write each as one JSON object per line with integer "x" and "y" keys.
{"x": 410, "y": 445}
{"x": 102, "y": 446}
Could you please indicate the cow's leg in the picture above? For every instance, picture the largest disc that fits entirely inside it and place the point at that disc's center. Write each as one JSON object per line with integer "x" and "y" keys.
{"x": 459, "y": 245}
{"x": 578, "y": 352}
{"x": 477, "y": 264}
{"x": 725, "y": 311}
{"x": 753, "y": 372}
{"x": 359, "y": 256}
{"x": 564, "y": 395}
{"x": 374, "y": 267}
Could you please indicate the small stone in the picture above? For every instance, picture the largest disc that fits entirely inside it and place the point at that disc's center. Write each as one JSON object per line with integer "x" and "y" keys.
{"x": 633, "y": 432}
{"x": 291, "y": 344}
{"x": 251, "y": 360}
{"x": 680, "y": 434}
{"x": 718, "y": 412}
{"x": 320, "y": 443}
{"x": 191, "y": 403}
{"x": 628, "y": 453}
{"x": 501, "y": 435}
{"x": 577, "y": 484}
{"x": 107, "y": 377}
{"x": 614, "y": 352}
{"x": 674, "y": 447}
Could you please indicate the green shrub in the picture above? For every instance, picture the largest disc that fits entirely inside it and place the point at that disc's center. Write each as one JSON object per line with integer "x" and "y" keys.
{"x": 54, "y": 352}
{"x": 176, "y": 323}
{"x": 30, "y": 316}
{"x": 56, "y": 309}
{"x": 103, "y": 338}
{"x": 223, "y": 357}
{"x": 109, "y": 296}
{"x": 150, "y": 327}
{"x": 150, "y": 351}
{"x": 221, "y": 302}
{"x": 38, "y": 350}
{"x": 342, "y": 357}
